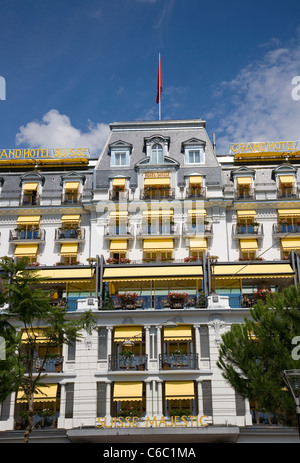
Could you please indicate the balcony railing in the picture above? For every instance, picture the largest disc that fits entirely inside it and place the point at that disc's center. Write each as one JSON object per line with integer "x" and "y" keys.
{"x": 156, "y": 302}
{"x": 128, "y": 362}
{"x": 71, "y": 198}
{"x": 158, "y": 229}
{"x": 246, "y": 194}
{"x": 118, "y": 195}
{"x": 288, "y": 192}
{"x": 199, "y": 229}
{"x": 29, "y": 199}
{"x": 63, "y": 234}
{"x": 199, "y": 192}
{"x": 50, "y": 365}
{"x": 120, "y": 230}
{"x": 283, "y": 229}
{"x": 252, "y": 230}
{"x": 160, "y": 193}
{"x": 178, "y": 361}
{"x": 27, "y": 235}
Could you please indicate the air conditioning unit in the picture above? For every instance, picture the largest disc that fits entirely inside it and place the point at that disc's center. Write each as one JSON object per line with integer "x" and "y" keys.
{"x": 90, "y": 303}
{"x": 216, "y": 301}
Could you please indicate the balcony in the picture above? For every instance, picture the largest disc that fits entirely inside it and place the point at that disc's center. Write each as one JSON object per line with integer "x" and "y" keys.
{"x": 128, "y": 362}
{"x": 158, "y": 193}
{"x": 155, "y": 302}
{"x": 118, "y": 230}
{"x": 244, "y": 194}
{"x": 27, "y": 235}
{"x": 180, "y": 361}
{"x": 243, "y": 231}
{"x": 158, "y": 230}
{"x": 287, "y": 192}
{"x": 118, "y": 195}
{"x": 71, "y": 198}
{"x": 284, "y": 229}
{"x": 27, "y": 199}
{"x": 198, "y": 229}
{"x": 70, "y": 234}
{"x": 50, "y": 365}
{"x": 196, "y": 192}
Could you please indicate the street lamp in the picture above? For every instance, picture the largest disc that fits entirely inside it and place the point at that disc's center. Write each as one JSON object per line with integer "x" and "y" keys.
{"x": 92, "y": 261}
{"x": 292, "y": 380}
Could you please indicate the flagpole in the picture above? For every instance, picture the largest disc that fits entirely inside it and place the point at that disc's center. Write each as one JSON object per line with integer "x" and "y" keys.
{"x": 159, "y": 87}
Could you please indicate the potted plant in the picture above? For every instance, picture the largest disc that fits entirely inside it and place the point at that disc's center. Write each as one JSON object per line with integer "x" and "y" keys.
{"x": 127, "y": 299}
{"x": 190, "y": 259}
{"x": 177, "y": 300}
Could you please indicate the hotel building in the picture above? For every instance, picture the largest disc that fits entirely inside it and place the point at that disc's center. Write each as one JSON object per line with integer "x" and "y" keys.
{"x": 167, "y": 243}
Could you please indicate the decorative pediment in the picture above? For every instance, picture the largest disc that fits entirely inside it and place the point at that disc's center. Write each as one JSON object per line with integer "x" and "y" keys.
{"x": 32, "y": 177}
{"x": 73, "y": 176}
{"x": 242, "y": 171}
{"x": 145, "y": 162}
{"x": 193, "y": 142}
{"x": 120, "y": 144}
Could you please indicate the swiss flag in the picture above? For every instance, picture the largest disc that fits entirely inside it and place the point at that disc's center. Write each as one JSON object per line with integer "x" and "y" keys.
{"x": 159, "y": 82}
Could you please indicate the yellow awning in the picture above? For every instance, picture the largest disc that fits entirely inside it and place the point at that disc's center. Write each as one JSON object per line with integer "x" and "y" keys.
{"x": 65, "y": 274}
{"x": 70, "y": 218}
{"x": 195, "y": 179}
{"x": 168, "y": 272}
{"x": 45, "y": 393}
{"x": 28, "y": 220}
{"x": 157, "y": 181}
{"x": 69, "y": 249}
{"x": 288, "y": 213}
{"x": 246, "y": 214}
{"x": 128, "y": 390}
{"x": 244, "y": 180}
{"x": 158, "y": 213}
{"x": 128, "y": 333}
{"x": 34, "y": 334}
{"x": 26, "y": 250}
{"x": 259, "y": 270}
{"x": 249, "y": 245}
{"x": 197, "y": 212}
{"x": 286, "y": 179}
{"x": 198, "y": 244}
{"x": 118, "y": 214}
{"x": 175, "y": 390}
{"x": 30, "y": 186}
{"x": 288, "y": 244}
{"x": 118, "y": 246}
{"x": 119, "y": 182}
{"x": 158, "y": 245}
{"x": 71, "y": 185}
{"x": 179, "y": 333}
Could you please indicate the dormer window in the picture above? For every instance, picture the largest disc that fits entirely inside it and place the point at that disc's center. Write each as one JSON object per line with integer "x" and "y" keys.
{"x": 120, "y": 154}
{"x": 194, "y": 151}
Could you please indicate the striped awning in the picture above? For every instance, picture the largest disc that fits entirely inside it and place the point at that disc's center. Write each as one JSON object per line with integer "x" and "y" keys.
{"x": 118, "y": 246}
{"x": 246, "y": 214}
{"x": 198, "y": 244}
{"x": 253, "y": 270}
{"x": 153, "y": 273}
{"x": 288, "y": 244}
{"x": 175, "y": 390}
{"x": 195, "y": 179}
{"x": 45, "y": 393}
{"x": 157, "y": 181}
{"x": 248, "y": 245}
{"x": 128, "y": 391}
{"x": 244, "y": 180}
{"x": 119, "y": 182}
{"x": 128, "y": 333}
{"x": 286, "y": 179}
{"x": 179, "y": 333}
{"x": 158, "y": 245}
{"x": 30, "y": 186}
{"x": 288, "y": 213}
{"x": 69, "y": 218}
{"x": 34, "y": 335}
{"x": 71, "y": 185}
{"x": 69, "y": 249}
{"x": 28, "y": 220}
{"x": 26, "y": 250}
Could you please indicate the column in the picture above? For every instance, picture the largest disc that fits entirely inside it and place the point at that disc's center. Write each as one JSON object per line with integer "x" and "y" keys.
{"x": 108, "y": 400}
{"x": 159, "y": 399}
{"x": 199, "y": 398}
{"x": 197, "y": 346}
{"x": 109, "y": 341}
{"x": 147, "y": 344}
{"x": 62, "y": 411}
{"x": 149, "y": 410}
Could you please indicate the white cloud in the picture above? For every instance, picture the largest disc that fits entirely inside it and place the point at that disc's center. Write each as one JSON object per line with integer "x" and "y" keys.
{"x": 55, "y": 131}
{"x": 257, "y": 105}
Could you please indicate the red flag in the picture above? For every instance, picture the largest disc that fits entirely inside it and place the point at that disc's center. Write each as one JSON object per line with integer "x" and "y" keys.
{"x": 159, "y": 82}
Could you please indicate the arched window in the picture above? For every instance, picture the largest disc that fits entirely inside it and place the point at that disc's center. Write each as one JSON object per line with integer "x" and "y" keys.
{"x": 157, "y": 154}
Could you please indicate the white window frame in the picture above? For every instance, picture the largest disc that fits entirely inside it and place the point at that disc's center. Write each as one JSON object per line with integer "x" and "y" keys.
{"x": 191, "y": 149}
{"x": 157, "y": 148}
{"x": 119, "y": 153}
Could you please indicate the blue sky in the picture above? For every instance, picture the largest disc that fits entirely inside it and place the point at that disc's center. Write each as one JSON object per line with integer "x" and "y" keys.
{"x": 71, "y": 67}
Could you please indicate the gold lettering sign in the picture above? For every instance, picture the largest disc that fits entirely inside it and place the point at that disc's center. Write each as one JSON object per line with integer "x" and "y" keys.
{"x": 157, "y": 174}
{"x": 265, "y": 147}
{"x": 43, "y": 153}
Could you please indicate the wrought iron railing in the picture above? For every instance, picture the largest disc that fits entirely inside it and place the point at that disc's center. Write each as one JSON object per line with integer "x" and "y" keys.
{"x": 127, "y": 362}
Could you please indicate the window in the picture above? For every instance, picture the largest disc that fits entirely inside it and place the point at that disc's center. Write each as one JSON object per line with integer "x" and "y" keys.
{"x": 69, "y": 400}
{"x": 194, "y": 156}
{"x": 157, "y": 154}
{"x": 102, "y": 343}
{"x": 119, "y": 158}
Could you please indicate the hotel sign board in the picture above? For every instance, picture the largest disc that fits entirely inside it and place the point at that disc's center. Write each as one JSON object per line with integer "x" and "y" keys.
{"x": 34, "y": 154}
{"x": 270, "y": 147}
